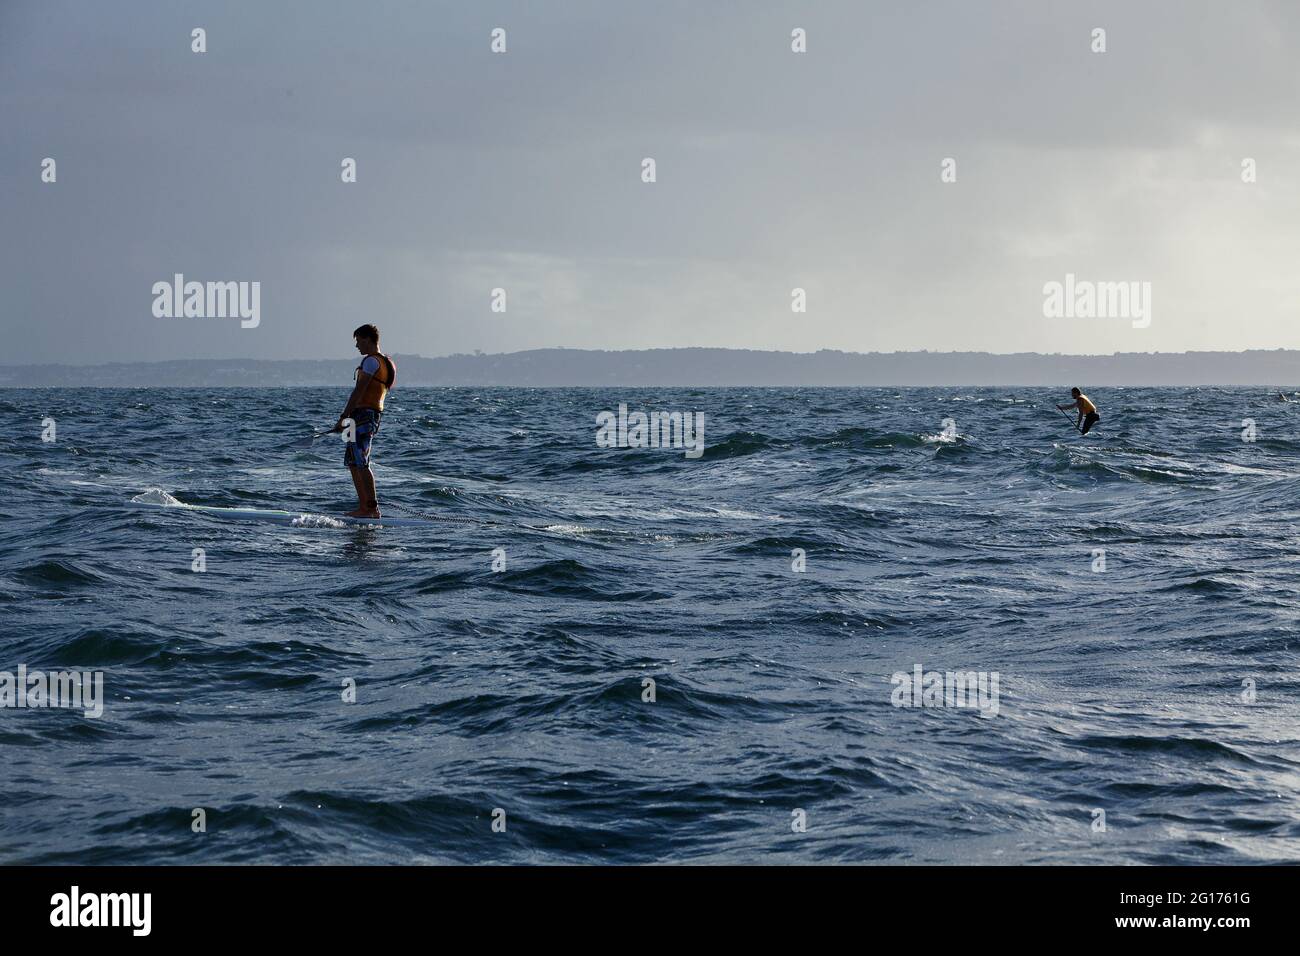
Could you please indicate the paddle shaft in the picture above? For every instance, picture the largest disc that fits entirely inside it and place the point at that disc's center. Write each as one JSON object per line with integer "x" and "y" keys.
{"x": 1069, "y": 419}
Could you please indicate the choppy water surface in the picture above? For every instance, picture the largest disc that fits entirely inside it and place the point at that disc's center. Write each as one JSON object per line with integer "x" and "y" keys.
{"x": 1123, "y": 690}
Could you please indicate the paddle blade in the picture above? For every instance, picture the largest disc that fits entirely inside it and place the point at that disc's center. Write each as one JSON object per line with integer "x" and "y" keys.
{"x": 311, "y": 439}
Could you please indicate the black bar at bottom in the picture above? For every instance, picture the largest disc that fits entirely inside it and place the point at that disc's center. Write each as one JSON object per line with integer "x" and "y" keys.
{"x": 332, "y": 905}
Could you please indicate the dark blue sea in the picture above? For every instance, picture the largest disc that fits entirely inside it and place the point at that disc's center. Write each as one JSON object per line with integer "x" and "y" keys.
{"x": 1131, "y": 600}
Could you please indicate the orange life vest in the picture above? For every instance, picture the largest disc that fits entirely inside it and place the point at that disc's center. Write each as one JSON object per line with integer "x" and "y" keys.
{"x": 379, "y": 384}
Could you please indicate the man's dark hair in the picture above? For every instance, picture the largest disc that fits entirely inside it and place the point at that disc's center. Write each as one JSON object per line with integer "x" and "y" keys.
{"x": 367, "y": 332}
{"x": 1074, "y": 391}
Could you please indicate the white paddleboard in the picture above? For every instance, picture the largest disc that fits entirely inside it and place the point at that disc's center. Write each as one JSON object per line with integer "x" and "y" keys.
{"x": 302, "y": 519}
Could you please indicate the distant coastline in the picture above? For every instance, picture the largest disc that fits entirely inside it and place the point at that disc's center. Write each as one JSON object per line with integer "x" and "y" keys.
{"x": 696, "y": 367}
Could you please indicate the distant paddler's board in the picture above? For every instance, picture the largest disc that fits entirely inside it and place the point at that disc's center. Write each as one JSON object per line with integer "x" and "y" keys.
{"x": 301, "y": 519}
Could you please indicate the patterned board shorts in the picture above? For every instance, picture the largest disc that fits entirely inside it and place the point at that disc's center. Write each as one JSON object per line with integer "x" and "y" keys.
{"x": 356, "y": 454}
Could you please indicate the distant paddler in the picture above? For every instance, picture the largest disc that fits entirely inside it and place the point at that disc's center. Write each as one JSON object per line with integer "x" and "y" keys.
{"x": 374, "y": 377}
{"x": 1087, "y": 411}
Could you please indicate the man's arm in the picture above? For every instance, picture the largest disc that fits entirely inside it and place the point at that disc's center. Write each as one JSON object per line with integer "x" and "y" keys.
{"x": 363, "y": 379}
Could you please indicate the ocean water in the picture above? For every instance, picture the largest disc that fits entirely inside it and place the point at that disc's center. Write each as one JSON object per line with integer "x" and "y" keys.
{"x": 1157, "y": 694}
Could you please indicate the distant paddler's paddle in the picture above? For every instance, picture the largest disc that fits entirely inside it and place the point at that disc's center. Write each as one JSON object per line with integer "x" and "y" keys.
{"x": 1068, "y": 418}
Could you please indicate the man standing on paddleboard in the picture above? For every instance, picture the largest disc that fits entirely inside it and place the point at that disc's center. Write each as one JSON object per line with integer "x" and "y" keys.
{"x": 375, "y": 376}
{"x": 1087, "y": 411}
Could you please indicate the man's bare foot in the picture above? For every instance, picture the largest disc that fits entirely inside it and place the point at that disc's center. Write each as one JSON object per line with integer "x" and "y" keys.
{"x": 365, "y": 513}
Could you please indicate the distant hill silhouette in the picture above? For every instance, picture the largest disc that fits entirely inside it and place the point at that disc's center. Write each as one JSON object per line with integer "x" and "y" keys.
{"x": 700, "y": 367}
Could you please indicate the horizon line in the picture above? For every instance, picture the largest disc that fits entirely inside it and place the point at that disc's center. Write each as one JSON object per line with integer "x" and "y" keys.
{"x": 669, "y": 348}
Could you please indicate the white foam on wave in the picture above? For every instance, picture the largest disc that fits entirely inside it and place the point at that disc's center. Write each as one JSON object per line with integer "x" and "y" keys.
{"x": 576, "y": 530}
{"x": 1231, "y": 469}
{"x": 317, "y": 521}
{"x": 745, "y": 515}
{"x": 156, "y": 496}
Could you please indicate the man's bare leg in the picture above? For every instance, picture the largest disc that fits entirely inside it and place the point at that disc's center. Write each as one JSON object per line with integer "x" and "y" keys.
{"x": 367, "y": 501}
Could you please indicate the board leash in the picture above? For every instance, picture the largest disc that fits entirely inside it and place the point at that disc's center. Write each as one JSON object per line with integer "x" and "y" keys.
{"x": 460, "y": 519}
{"x": 456, "y": 519}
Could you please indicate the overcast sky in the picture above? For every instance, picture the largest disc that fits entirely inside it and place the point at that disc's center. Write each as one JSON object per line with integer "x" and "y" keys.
{"x": 522, "y": 170}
